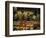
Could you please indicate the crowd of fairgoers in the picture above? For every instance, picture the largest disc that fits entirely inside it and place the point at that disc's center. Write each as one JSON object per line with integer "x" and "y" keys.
{"x": 26, "y": 25}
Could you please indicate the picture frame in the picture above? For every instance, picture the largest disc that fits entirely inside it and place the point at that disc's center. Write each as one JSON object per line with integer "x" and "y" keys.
{"x": 33, "y": 11}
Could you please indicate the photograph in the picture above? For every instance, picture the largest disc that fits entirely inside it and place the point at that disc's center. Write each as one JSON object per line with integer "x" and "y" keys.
{"x": 24, "y": 18}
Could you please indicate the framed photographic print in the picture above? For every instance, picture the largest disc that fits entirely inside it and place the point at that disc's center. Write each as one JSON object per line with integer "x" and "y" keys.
{"x": 24, "y": 18}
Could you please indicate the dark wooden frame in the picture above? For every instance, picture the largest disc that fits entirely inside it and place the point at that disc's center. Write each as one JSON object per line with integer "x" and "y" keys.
{"x": 7, "y": 18}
